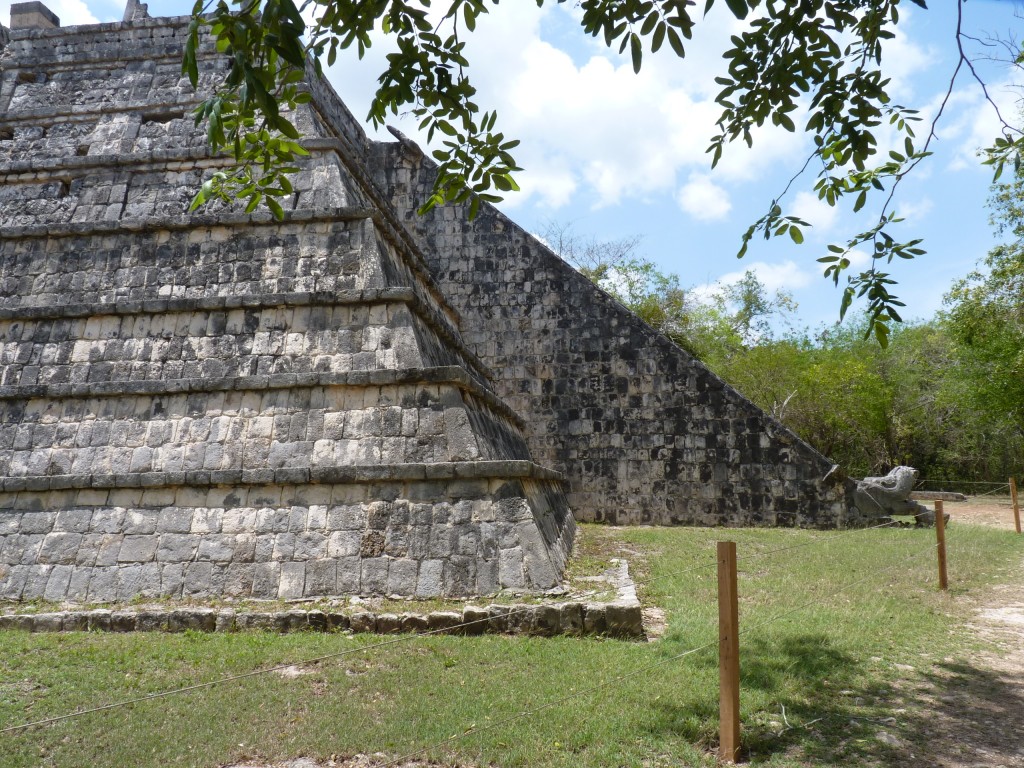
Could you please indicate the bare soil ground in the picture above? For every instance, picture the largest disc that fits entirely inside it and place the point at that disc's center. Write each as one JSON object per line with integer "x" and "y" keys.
{"x": 995, "y": 511}
{"x": 976, "y": 704}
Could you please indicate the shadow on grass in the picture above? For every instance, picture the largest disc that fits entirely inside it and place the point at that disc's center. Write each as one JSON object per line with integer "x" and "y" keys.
{"x": 839, "y": 713}
{"x": 830, "y": 717}
{"x": 967, "y": 715}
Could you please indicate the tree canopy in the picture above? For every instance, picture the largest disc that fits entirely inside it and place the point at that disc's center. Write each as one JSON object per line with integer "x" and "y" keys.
{"x": 812, "y": 65}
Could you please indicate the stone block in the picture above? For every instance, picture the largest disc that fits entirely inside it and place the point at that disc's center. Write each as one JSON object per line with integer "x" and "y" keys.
{"x": 374, "y": 575}
{"x": 266, "y": 580}
{"x": 78, "y": 585}
{"x": 344, "y": 543}
{"x": 98, "y": 621}
{"x": 570, "y": 618}
{"x": 172, "y": 579}
{"x": 225, "y": 621}
{"x": 123, "y": 621}
{"x": 219, "y": 548}
{"x": 76, "y": 621}
{"x": 337, "y": 622}
{"x": 547, "y": 620}
{"x": 37, "y": 522}
{"x": 60, "y": 548}
{"x": 177, "y": 547}
{"x": 430, "y": 581}
{"x": 522, "y": 620}
{"x": 595, "y": 619}
{"x": 310, "y": 545}
{"x": 48, "y": 622}
{"x": 73, "y": 521}
{"x": 414, "y": 622}
{"x": 137, "y": 549}
{"x": 475, "y": 620}
{"x": 57, "y": 585}
{"x": 35, "y": 584}
{"x": 349, "y": 575}
{"x": 174, "y": 520}
{"x": 317, "y": 621}
{"x": 152, "y": 621}
{"x": 443, "y": 622}
{"x": 198, "y": 580}
{"x": 321, "y": 578}
{"x": 510, "y": 569}
{"x": 140, "y": 521}
{"x": 363, "y": 621}
{"x": 107, "y": 521}
{"x": 238, "y": 579}
{"x": 624, "y": 620}
{"x": 108, "y": 549}
{"x": 19, "y": 622}
{"x": 293, "y": 577}
{"x": 196, "y": 619}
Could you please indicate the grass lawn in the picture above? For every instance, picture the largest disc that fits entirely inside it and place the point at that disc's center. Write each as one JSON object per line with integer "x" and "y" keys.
{"x": 818, "y": 685}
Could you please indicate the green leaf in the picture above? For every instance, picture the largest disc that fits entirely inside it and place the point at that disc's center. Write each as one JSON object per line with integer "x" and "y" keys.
{"x": 275, "y": 208}
{"x": 738, "y": 7}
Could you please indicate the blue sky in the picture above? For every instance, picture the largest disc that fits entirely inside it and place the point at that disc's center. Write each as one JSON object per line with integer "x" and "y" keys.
{"x": 615, "y": 154}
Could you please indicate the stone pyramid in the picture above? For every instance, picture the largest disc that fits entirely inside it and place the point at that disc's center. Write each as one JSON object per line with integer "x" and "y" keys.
{"x": 224, "y": 404}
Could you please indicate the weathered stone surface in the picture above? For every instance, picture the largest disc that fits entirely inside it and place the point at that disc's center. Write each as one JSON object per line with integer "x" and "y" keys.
{"x": 363, "y": 622}
{"x": 221, "y": 404}
{"x": 443, "y": 621}
{"x": 891, "y": 495}
{"x": 645, "y": 433}
{"x": 544, "y": 619}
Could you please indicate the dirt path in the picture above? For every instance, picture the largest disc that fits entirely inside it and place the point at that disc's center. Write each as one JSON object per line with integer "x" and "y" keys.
{"x": 994, "y": 511}
{"x": 977, "y": 703}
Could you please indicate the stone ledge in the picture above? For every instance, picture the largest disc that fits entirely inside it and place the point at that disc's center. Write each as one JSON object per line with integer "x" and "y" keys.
{"x": 386, "y": 224}
{"x": 620, "y": 619}
{"x": 369, "y": 473}
{"x": 209, "y": 304}
{"x": 159, "y": 158}
{"x": 450, "y": 374}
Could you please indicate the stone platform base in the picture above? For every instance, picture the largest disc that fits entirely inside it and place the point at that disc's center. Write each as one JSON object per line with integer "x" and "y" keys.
{"x": 620, "y": 619}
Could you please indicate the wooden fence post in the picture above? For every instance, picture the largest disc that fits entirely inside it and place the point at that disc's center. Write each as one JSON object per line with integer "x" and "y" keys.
{"x": 728, "y": 655}
{"x": 940, "y": 536}
{"x": 1016, "y": 507}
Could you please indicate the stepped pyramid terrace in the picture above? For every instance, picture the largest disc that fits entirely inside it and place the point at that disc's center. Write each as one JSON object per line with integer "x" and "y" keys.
{"x": 354, "y": 400}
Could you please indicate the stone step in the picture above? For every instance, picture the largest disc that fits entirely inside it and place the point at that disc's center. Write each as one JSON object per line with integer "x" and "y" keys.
{"x": 252, "y": 429}
{"x": 229, "y": 256}
{"x": 416, "y": 538}
{"x": 198, "y": 344}
{"x": 283, "y": 476}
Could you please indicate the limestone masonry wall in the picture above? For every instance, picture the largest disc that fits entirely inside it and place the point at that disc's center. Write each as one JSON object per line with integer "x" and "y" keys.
{"x": 219, "y": 404}
{"x": 643, "y": 431}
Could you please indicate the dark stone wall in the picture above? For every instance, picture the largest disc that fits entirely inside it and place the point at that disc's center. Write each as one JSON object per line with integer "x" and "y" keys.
{"x": 644, "y": 432}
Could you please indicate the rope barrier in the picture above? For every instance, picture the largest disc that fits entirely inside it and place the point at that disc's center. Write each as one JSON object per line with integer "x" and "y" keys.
{"x": 839, "y": 591}
{"x": 314, "y": 660}
{"x": 473, "y": 730}
{"x": 384, "y": 644}
{"x": 827, "y": 539}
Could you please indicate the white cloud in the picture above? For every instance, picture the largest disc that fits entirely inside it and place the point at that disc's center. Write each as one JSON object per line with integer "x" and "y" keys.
{"x": 591, "y": 129}
{"x": 859, "y": 259}
{"x": 703, "y": 199}
{"x": 815, "y": 212}
{"x": 786, "y": 276}
{"x": 70, "y": 12}
{"x": 914, "y": 210}
{"x": 979, "y": 122}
